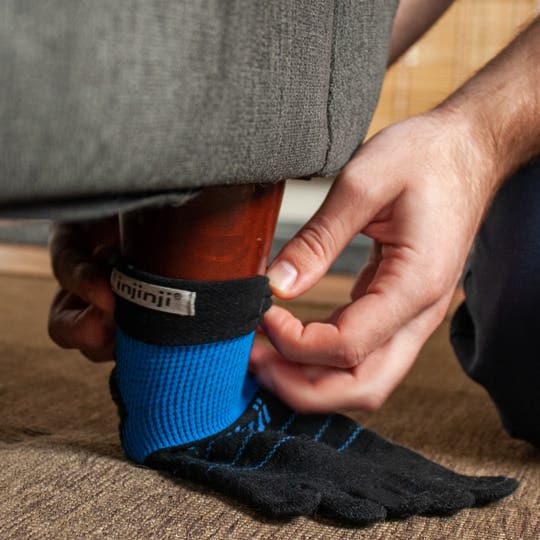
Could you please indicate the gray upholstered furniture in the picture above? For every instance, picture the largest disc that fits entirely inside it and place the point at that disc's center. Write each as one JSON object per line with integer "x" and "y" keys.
{"x": 104, "y": 104}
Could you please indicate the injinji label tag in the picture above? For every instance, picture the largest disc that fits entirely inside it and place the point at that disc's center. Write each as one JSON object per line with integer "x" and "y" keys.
{"x": 151, "y": 296}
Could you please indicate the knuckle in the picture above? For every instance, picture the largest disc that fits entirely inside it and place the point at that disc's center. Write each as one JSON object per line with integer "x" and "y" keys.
{"x": 84, "y": 280}
{"x": 81, "y": 272}
{"x": 55, "y": 333}
{"x": 439, "y": 277}
{"x": 433, "y": 290}
{"x": 65, "y": 257}
{"x": 357, "y": 190}
{"x": 318, "y": 239}
{"x": 440, "y": 310}
{"x": 348, "y": 356}
{"x": 350, "y": 185}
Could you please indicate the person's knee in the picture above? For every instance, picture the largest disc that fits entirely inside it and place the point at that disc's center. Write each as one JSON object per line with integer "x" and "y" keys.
{"x": 506, "y": 365}
{"x": 519, "y": 410}
{"x": 496, "y": 332}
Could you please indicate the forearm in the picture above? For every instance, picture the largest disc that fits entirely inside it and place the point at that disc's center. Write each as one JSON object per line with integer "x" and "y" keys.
{"x": 413, "y": 19}
{"x": 501, "y": 105}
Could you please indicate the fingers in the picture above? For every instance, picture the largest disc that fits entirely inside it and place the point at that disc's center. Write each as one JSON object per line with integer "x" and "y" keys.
{"x": 314, "y": 389}
{"x": 81, "y": 314}
{"x": 396, "y": 294}
{"x": 368, "y": 272}
{"x": 91, "y": 283}
{"x": 78, "y": 270}
{"x": 349, "y": 206}
{"x": 73, "y": 324}
{"x": 84, "y": 278}
{"x": 315, "y": 343}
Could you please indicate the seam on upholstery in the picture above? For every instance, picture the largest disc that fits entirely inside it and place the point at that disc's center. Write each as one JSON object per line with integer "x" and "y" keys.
{"x": 329, "y": 99}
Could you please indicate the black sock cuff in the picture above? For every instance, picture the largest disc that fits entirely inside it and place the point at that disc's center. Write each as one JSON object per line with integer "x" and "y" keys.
{"x": 166, "y": 311}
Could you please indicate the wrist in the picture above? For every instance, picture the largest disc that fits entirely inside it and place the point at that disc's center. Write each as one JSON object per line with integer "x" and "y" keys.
{"x": 501, "y": 105}
{"x": 472, "y": 148}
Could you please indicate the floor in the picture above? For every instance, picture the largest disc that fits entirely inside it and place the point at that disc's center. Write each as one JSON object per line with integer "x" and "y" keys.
{"x": 63, "y": 473}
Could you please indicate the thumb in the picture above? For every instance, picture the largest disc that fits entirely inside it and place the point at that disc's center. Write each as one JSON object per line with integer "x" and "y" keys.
{"x": 311, "y": 252}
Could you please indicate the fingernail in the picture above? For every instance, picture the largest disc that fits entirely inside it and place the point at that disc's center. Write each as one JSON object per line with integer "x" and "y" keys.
{"x": 282, "y": 276}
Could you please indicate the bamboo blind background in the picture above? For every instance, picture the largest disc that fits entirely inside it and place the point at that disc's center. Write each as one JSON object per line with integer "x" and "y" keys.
{"x": 464, "y": 39}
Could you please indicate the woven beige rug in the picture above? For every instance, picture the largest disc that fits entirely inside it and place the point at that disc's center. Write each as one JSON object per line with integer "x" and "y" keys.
{"x": 63, "y": 475}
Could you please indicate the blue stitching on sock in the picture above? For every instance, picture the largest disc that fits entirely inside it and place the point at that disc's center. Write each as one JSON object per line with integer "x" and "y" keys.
{"x": 242, "y": 448}
{"x": 259, "y": 465}
{"x": 286, "y": 425}
{"x": 283, "y": 428}
{"x": 266, "y": 413}
{"x": 238, "y": 453}
{"x": 237, "y": 429}
{"x": 351, "y": 438}
{"x": 263, "y": 418}
{"x": 261, "y": 426}
{"x": 211, "y": 443}
{"x": 272, "y": 451}
{"x": 323, "y": 428}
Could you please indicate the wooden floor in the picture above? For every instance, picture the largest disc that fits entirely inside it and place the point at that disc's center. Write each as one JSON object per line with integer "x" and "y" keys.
{"x": 24, "y": 260}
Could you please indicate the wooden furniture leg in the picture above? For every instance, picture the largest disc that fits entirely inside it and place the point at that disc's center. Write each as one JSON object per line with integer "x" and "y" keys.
{"x": 224, "y": 233}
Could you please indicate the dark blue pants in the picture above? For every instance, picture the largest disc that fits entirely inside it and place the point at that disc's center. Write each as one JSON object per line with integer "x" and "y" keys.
{"x": 496, "y": 331}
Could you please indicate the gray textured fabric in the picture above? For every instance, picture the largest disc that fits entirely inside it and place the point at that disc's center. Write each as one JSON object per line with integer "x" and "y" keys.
{"x": 360, "y": 53}
{"x": 104, "y": 98}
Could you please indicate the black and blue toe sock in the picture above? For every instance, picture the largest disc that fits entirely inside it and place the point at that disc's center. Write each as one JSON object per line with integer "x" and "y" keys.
{"x": 188, "y": 406}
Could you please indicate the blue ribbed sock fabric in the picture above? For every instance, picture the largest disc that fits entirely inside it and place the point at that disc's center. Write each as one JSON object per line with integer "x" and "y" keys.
{"x": 188, "y": 406}
{"x": 179, "y": 394}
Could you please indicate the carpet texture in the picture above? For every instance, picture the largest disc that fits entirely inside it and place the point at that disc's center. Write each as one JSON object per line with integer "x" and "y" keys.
{"x": 63, "y": 473}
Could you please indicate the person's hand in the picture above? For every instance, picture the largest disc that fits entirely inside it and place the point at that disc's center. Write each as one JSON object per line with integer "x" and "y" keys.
{"x": 81, "y": 313}
{"x": 419, "y": 189}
